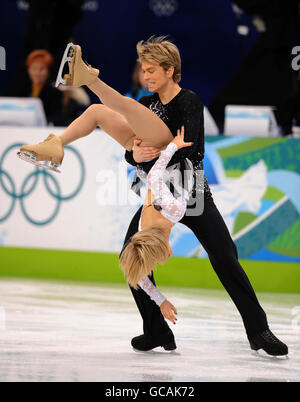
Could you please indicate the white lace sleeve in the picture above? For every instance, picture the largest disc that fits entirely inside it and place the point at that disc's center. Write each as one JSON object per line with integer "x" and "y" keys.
{"x": 151, "y": 291}
{"x": 172, "y": 208}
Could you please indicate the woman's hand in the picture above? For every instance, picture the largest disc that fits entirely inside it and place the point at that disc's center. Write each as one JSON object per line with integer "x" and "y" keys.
{"x": 168, "y": 311}
{"x": 143, "y": 154}
{"x": 179, "y": 139}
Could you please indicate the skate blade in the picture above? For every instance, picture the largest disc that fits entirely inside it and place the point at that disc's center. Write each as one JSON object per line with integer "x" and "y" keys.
{"x": 147, "y": 352}
{"x": 156, "y": 351}
{"x": 30, "y": 158}
{"x": 67, "y": 57}
{"x": 264, "y": 355}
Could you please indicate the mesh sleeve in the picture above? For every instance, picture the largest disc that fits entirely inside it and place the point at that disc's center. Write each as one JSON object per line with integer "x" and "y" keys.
{"x": 173, "y": 208}
{"x": 151, "y": 290}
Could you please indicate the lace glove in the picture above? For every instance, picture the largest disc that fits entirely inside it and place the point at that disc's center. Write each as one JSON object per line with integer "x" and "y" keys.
{"x": 151, "y": 290}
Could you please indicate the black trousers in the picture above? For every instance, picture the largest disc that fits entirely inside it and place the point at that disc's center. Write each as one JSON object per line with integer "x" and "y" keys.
{"x": 212, "y": 233}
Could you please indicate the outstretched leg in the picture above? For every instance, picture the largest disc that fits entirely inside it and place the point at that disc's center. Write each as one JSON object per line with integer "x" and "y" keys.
{"x": 122, "y": 118}
{"x": 52, "y": 149}
{"x": 111, "y": 122}
{"x": 146, "y": 124}
{"x": 212, "y": 232}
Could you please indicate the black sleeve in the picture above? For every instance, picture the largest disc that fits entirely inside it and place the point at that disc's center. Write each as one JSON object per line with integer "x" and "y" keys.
{"x": 129, "y": 158}
{"x": 191, "y": 109}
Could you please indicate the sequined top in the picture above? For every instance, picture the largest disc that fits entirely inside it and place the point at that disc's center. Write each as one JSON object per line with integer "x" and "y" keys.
{"x": 185, "y": 109}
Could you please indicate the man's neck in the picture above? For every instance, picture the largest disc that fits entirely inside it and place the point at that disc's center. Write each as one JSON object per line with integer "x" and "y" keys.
{"x": 168, "y": 93}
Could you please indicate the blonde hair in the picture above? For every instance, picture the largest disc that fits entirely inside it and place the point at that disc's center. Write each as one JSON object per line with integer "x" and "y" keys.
{"x": 161, "y": 51}
{"x": 144, "y": 250}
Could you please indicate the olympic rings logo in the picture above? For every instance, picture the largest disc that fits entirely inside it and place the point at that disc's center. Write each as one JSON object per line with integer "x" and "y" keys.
{"x": 164, "y": 8}
{"x": 30, "y": 183}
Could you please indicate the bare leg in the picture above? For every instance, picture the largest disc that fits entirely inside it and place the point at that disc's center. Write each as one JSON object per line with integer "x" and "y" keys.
{"x": 52, "y": 148}
{"x": 146, "y": 124}
{"x": 111, "y": 122}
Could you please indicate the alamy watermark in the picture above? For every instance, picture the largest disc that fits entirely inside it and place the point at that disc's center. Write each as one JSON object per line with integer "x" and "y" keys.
{"x": 2, "y": 58}
{"x": 296, "y": 60}
{"x": 114, "y": 189}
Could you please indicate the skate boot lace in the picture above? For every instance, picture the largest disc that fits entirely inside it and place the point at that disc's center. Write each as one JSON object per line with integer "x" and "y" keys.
{"x": 269, "y": 337}
{"x": 50, "y": 136}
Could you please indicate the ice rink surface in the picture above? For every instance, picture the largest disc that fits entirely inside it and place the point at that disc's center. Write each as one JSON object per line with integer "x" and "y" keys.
{"x": 66, "y": 331}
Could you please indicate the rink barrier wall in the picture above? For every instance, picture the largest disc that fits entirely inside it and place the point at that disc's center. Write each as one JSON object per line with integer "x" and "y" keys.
{"x": 255, "y": 184}
{"x": 104, "y": 267}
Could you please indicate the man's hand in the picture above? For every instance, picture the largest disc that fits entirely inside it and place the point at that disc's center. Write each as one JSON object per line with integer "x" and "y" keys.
{"x": 143, "y": 154}
{"x": 168, "y": 311}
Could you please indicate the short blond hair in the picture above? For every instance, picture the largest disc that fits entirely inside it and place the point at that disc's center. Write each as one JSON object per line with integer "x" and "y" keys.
{"x": 144, "y": 250}
{"x": 161, "y": 51}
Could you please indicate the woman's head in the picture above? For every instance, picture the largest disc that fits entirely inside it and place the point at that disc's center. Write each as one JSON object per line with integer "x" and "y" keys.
{"x": 160, "y": 60}
{"x": 144, "y": 250}
{"x": 39, "y": 64}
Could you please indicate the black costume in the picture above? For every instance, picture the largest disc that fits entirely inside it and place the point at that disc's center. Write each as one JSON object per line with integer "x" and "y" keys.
{"x": 186, "y": 109}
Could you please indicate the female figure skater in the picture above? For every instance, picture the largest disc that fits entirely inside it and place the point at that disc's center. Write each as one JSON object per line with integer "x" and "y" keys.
{"x": 161, "y": 211}
{"x": 155, "y": 126}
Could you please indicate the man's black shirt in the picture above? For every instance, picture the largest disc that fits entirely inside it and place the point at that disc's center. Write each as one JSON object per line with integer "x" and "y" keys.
{"x": 185, "y": 109}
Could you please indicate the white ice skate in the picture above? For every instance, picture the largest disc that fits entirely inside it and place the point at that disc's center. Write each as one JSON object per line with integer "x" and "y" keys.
{"x": 31, "y": 158}
{"x": 67, "y": 57}
{"x": 80, "y": 73}
{"x": 48, "y": 154}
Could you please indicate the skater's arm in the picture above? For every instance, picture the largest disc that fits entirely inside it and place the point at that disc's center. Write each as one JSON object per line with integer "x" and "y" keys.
{"x": 151, "y": 290}
{"x": 129, "y": 158}
{"x": 160, "y": 165}
{"x": 167, "y": 309}
{"x": 172, "y": 208}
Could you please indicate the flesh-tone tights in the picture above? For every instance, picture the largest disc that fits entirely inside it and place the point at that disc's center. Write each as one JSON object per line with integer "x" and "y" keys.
{"x": 123, "y": 118}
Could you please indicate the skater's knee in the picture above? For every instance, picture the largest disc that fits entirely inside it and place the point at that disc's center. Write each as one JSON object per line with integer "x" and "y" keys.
{"x": 97, "y": 112}
{"x": 227, "y": 251}
{"x": 94, "y": 109}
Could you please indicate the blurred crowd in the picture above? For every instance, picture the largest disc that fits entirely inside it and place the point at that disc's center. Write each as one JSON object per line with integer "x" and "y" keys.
{"x": 61, "y": 105}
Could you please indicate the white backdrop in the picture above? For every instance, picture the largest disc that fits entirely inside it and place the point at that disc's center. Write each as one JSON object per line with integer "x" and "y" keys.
{"x": 81, "y": 223}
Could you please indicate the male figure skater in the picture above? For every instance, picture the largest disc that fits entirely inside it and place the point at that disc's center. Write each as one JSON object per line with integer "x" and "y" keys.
{"x": 186, "y": 109}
